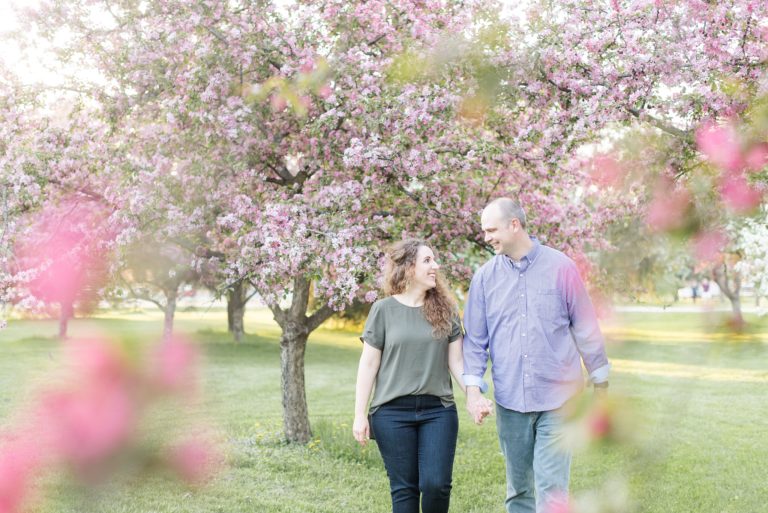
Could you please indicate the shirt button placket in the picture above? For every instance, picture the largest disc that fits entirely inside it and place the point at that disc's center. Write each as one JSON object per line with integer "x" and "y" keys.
{"x": 524, "y": 341}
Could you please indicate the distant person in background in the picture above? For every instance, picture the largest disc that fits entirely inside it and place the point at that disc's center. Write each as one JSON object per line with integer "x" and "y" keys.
{"x": 411, "y": 346}
{"x": 705, "y": 288}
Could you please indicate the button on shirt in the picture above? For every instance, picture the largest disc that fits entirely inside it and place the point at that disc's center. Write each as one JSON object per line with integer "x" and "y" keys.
{"x": 535, "y": 320}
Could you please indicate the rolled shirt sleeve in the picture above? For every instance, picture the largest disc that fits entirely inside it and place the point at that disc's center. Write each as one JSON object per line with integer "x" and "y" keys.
{"x": 456, "y": 330}
{"x": 600, "y": 375}
{"x": 374, "y": 330}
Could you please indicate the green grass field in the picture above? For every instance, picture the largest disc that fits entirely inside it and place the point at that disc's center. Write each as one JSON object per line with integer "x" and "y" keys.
{"x": 699, "y": 400}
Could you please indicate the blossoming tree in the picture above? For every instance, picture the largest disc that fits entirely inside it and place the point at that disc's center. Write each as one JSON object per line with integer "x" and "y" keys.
{"x": 299, "y": 143}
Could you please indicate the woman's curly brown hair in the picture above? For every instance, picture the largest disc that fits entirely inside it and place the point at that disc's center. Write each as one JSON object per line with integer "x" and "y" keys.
{"x": 439, "y": 304}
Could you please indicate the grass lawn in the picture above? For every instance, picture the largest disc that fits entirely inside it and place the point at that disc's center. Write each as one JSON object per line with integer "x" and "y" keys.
{"x": 699, "y": 395}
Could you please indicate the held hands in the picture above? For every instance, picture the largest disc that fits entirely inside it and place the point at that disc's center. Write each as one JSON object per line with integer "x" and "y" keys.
{"x": 478, "y": 406}
{"x": 361, "y": 430}
{"x": 601, "y": 391}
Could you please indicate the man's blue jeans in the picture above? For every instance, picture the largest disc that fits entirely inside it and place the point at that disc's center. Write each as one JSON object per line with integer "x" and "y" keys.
{"x": 538, "y": 466}
{"x": 416, "y": 436}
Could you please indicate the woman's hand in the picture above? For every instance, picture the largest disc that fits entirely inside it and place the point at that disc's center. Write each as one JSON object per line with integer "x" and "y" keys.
{"x": 361, "y": 430}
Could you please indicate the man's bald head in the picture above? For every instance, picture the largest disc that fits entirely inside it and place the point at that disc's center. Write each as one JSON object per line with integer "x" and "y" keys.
{"x": 508, "y": 209}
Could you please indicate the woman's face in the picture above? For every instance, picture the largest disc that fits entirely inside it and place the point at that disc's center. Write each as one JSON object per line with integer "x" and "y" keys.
{"x": 425, "y": 269}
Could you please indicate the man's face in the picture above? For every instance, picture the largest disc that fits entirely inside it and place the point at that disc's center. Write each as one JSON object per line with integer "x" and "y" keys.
{"x": 499, "y": 233}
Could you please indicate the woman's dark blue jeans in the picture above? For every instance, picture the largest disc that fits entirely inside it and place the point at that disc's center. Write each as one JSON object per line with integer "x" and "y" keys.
{"x": 416, "y": 436}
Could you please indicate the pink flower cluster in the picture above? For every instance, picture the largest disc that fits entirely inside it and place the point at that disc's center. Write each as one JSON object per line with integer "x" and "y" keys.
{"x": 62, "y": 251}
{"x": 721, "y": 145}
{"x": 95, "y": 416}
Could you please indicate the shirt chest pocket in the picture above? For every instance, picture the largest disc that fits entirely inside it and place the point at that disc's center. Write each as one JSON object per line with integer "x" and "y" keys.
{"x": 549, "y": 305}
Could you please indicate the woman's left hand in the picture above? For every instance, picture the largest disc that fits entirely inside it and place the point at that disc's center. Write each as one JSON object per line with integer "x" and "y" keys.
{"x": 361, "y": 430}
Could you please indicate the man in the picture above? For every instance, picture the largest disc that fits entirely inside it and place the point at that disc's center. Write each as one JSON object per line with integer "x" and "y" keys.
{"x": 528, "y": 308}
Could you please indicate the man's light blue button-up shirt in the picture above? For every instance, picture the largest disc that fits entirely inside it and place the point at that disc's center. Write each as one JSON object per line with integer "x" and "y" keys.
{"x": 536, "y": 321}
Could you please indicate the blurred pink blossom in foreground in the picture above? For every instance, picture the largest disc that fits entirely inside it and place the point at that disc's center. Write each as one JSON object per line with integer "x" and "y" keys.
{"x": 173, "y": 365}
{"x": 737, "y": 194}
{"x": 558, "y": 503}
{"x": 19, "y": 459}
{"x": 64, "y": 251}
{"x": 195, "y": 460}
{"x": 708, "y": 245}
{"x": 96, "y": 414}
{"x": 757, "y": 157}
{"x": 721, "y": 146}
{"x": 607, "y": 171}
{"x": 91, "y": 424}
{"x": 669, "y": 206}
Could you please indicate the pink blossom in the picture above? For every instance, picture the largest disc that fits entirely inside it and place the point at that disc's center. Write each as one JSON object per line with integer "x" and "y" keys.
{"x": 599, "y": 423}
{"x": 607, "y": 171}
{"x": 325, "y": 91}
{"x": 558, "y": 503}
{"x": 720, "y": 144}
{"x": 174, "y": 365}
{"x": 757, "y": 157}
{"x": 669, "y": 207}
{"x": 19, "y": 463}
{"x": 278, "y": 102}
{"x": 418, "y": 29}
{"x": 96, "y": 416}
{"x": 707, "y": 246}
{"x": 305, "y": 101}
{"x": 583, "y": 264}
{"x": 308, "y": 66}
{"x": 195, "y": 461}
{"x": 97, "y": 361}
{"x": 64, "y": 251}
{"x": 91, "y": 423}
{"x": 737, "y": 194}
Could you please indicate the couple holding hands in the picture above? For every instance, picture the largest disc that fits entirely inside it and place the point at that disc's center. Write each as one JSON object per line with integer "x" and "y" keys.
{"x": 527, "y": 309}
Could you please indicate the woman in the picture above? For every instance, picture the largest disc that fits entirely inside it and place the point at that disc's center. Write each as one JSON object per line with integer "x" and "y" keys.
{"x": 412, "y": 345}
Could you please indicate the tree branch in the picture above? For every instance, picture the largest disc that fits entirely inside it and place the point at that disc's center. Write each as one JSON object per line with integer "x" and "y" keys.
{"x": 319, "y": 317}
{"x": 279, "y": 314}
{"x": 680, "y": 134}
{"x": 145, "y": 297}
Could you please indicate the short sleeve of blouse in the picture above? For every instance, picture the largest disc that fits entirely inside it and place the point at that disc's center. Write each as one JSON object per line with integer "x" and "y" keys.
{"x": 456, "y": 330}
{"x": 373, "y": 332}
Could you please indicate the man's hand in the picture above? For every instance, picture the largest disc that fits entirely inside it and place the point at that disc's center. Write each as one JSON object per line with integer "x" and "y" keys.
{"x": 478, "y": 406}
{"x": 601, "y": 390}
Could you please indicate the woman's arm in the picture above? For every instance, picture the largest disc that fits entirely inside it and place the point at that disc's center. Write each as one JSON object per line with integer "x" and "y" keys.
{"x": 456, "y": 366}
{"x": 370, "y": 361}
{"x": 456, "y": 362}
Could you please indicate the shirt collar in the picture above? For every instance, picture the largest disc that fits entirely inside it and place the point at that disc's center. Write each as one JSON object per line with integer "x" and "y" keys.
{"x": 530, "y": 257}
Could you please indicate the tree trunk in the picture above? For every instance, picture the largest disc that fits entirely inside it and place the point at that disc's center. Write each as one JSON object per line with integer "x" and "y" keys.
{"x": 236, "y": 301}
{"x": 738, "y": 318}
{"x": 295, "y": 414}
{"x": 170, "y": 311}
{"x": 729, "y": 282}
{"x": 66, "y": 312}
{"x": 296, "y": 326}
